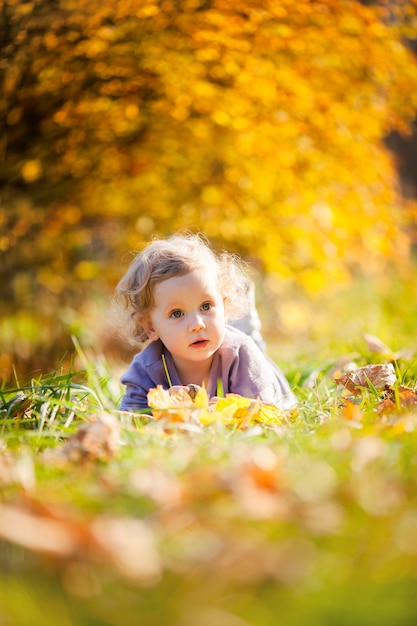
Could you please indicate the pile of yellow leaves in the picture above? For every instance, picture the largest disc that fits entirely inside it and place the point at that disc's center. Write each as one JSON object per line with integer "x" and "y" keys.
{"x": 232, "y": 410}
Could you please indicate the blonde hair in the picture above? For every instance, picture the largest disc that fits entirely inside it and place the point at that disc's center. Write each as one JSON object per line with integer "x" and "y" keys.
{"x": 175, "y": 256}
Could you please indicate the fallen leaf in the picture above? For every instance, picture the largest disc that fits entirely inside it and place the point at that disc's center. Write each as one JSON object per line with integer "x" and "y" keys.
{"x": 386, "y": 406}
{"x": 18, "y": 406}
{"x": 407, "y": 396}
{"x": 403, "y": 398}
{"x": 177, "y": 405}
{"x": 130, "y": 545}
{"x": 200, "y": 398}
{"x": 22, "y": 526}
{"x": 241, "y": 411}
{"x": 233, "y": 408}
{"x": 378, "y": 376}
{"x": 97, "y": 440}
{"x": 374, "y": 344}
{"x": 171, "y": 405}
{"x": 351, "y": 412}
{"x": 126, "y": 543}
{"x": 377, "y": 346}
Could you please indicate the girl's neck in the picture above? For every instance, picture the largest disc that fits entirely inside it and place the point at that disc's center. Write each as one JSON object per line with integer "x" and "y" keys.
{"x": 194, "y": 373}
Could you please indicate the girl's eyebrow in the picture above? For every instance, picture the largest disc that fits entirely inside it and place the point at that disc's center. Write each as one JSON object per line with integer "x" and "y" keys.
{"x": 170, "y": 307}
{"x": 174, "y": 304}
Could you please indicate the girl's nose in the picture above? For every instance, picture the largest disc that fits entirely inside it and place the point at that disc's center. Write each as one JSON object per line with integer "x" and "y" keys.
{"x": 196, "y": 323}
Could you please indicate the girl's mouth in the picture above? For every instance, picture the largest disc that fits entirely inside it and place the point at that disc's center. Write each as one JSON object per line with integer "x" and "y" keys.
{"x": 200, "y": 343}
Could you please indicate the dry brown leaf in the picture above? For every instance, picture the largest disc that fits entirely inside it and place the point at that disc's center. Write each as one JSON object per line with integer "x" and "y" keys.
{"x": 40, "y": 533}
{"x": 407, "y": 396}
{"x": 126, "y": 543}
{"x": 375, "y": 344}
{"x": 378, "y": 376}
{"x": 403, "y": 397}
{"x": 97, "y": 440}
{"x": 19, "y": 406}
{"x": 386, "y": 406}
{"x": 130, "y": 545}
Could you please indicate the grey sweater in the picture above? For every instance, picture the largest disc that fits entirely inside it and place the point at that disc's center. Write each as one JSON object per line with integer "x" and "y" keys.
{"x": 239, "y": 365}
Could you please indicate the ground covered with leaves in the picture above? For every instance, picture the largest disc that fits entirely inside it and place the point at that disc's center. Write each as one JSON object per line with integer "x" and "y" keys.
{"x": 230, "y": 513}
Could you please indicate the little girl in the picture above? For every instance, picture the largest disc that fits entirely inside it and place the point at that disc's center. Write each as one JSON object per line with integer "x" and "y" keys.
{"x": 180, "y": 295}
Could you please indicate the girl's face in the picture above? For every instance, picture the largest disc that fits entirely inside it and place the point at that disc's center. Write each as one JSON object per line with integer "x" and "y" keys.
{"x": 188, "y": 317}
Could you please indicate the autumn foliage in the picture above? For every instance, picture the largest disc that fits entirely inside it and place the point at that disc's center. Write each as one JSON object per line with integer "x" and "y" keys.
{"x": 259, "y": 122}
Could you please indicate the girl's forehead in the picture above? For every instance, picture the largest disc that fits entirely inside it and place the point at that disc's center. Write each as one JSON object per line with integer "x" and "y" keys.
{"x": 198, "y": 281}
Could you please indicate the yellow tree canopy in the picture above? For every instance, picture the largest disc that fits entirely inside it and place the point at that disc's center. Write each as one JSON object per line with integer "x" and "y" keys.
{"x": 259, "y": 122}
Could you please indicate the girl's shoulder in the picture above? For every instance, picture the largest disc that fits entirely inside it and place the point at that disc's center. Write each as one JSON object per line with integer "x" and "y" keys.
{"x": 237, "y": 340}
{"x": 151, "y": 353}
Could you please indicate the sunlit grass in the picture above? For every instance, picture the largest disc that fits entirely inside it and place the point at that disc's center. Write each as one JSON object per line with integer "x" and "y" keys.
{"x": 109, "y": 518}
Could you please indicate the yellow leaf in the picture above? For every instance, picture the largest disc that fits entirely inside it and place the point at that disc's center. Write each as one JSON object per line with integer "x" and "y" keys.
{"x": 241, "y": 411}
{"x": 351, "y": 412}
{"x": 233, "y": 406}
{"x": 171, "y": 405}
{"x": 201, "y": 400}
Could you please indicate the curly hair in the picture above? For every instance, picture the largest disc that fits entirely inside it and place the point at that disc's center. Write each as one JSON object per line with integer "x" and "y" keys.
{"x": 177, "y": 255}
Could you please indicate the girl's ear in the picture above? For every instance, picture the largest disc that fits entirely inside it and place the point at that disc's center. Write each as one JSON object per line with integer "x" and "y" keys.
{"x": 226, "y": 302}
{"x": 146, "y": 323}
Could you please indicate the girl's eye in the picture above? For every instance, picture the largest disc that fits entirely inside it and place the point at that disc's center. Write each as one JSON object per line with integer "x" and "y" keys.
{"x": 206, "y": 306}
{"x": 176, "y": 314}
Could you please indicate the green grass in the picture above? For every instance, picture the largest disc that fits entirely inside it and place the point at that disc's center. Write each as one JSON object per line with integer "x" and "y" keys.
{"x": 109, "y": 519}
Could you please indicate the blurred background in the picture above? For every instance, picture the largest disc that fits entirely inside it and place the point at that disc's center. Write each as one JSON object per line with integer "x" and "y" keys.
{"x": 285, "y": 131}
